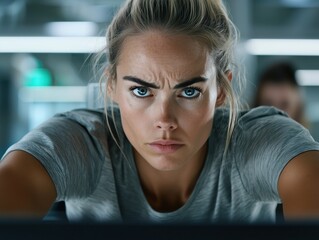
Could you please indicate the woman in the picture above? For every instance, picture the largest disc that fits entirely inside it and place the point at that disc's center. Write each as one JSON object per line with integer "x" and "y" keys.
{"x": 167, "y": 149}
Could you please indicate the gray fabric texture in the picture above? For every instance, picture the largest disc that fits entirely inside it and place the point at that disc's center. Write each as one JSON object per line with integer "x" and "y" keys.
{"x": 99, "y": 182}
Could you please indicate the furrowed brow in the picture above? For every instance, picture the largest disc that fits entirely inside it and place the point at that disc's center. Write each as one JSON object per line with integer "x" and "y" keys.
{"x": 140, "y": 81}
{"x": 190, "y": 82}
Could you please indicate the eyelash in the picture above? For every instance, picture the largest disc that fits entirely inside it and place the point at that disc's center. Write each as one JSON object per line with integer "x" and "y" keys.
{"x": 138, "y": 87}
{"x": 186, "y": 88}
{"x": 199, "y": 90}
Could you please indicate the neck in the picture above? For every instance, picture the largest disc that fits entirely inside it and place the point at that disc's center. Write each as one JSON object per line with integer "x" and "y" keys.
{"x": 169, "y": 190}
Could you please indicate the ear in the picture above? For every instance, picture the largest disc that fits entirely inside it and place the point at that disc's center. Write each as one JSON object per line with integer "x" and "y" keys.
{"x": 110, "y": 87}
{"x": 221, "y": 97}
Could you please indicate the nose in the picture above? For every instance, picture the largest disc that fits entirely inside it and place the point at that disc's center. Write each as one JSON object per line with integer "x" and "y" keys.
{"x": 166, "y": 125}
{"x": 166, "y": 117}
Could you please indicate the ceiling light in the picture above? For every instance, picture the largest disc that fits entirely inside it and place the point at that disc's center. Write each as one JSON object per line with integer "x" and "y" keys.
{"x": 308, "y": 77}
{"x": 71, "y": 29}
{"x": 284, "y": 47}
{"x": 51, "y": 44}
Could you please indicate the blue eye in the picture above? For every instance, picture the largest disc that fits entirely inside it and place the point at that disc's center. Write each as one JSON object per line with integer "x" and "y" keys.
{"x": 140, "y": 92}
{"x": 191, "y": 92}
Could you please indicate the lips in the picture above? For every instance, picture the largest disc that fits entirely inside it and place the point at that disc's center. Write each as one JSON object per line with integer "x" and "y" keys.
{"x": 165, "y": 146}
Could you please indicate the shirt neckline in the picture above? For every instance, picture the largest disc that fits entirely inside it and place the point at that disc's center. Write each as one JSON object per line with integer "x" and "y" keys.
{"x": 198, "y": 186}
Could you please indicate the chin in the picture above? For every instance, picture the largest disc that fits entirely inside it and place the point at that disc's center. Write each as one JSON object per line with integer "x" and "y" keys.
{"x": 165, "y": 165}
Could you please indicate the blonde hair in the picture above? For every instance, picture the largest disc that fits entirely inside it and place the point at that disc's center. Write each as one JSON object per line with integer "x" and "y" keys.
{"x": 205, "y": 20}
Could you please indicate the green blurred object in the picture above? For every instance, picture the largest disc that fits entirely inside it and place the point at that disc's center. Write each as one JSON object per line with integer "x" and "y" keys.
{"x": 38, "y": 77}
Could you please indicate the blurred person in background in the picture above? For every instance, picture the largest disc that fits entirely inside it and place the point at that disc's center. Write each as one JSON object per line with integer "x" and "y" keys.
{"x": 278, "y": 87}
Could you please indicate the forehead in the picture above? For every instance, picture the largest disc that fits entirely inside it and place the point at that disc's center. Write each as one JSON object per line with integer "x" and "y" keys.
{"x": 161, "y": 51}
{"x": 277, "y": 91}
{"x": 271, "y": 86}
{"x": 158, "y": 40}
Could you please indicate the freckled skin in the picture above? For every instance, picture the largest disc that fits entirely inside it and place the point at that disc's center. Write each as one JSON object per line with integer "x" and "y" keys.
{"x": 166, "y": 60}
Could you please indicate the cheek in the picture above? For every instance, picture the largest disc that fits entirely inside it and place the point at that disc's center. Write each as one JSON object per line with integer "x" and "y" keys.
{"x": 198, "y": 117}
{"x": 133, "y": 126}
{"x": 129, "y": 112}
{"x": 203, "y": 117}
{"x": 127, "y": 101}
{"x": 133, "y": 116}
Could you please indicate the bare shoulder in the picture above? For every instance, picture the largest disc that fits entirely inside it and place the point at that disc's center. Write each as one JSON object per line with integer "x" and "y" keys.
{"x": 26, "y": 187}
{"x": 298, "y": 187}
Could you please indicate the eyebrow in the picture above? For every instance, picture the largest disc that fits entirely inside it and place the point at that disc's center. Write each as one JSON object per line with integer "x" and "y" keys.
{"x": 140, "y": 81}
{"x": 177, "y": 86}
{"x": 190, "y": 82}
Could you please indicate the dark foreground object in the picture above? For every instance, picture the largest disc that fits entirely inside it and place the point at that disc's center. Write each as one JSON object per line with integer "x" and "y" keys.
{"x": 62, "y": 230}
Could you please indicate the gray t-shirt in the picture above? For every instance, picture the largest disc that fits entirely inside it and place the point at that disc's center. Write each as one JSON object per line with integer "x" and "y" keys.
{"x": 100, "y": 182}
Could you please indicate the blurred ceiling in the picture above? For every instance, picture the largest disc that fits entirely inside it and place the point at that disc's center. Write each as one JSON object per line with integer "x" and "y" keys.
{"x": 28, "y": 17}
{"x": 285, "y": 18}
{"x": 267, "y": 18}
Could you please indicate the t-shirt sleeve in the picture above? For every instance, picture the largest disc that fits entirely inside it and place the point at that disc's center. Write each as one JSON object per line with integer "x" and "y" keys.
{"x": 70, "y": 151}
{"x": 266, "y": 140}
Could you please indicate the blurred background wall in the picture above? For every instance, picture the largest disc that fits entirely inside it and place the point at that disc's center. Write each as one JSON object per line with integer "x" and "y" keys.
{"x": 45, "y": 45}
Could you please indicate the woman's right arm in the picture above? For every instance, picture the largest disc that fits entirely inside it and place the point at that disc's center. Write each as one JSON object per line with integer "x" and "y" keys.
{"x": 26, "y": 189}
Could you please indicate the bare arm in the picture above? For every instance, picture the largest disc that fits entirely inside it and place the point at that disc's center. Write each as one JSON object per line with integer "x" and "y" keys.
{"x": 299, "y": 187}
{"x": 26, "y": 189}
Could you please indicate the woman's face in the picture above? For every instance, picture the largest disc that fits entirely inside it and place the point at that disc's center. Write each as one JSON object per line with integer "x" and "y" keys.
{"x": 166, "y": 91}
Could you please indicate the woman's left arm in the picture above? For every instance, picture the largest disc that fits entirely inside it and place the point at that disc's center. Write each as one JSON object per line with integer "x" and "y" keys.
{"x": 299, "y": 187}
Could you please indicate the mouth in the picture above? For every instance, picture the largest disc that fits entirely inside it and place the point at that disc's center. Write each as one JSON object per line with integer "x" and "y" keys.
{"x": 165, "y": 146}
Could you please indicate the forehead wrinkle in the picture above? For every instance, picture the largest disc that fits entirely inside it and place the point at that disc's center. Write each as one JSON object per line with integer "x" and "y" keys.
{"x": 157, "y": 61}
{"x": 173, "y": 78}
{"x": 161, "y": 79}
{"x": 161, "y": 76}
